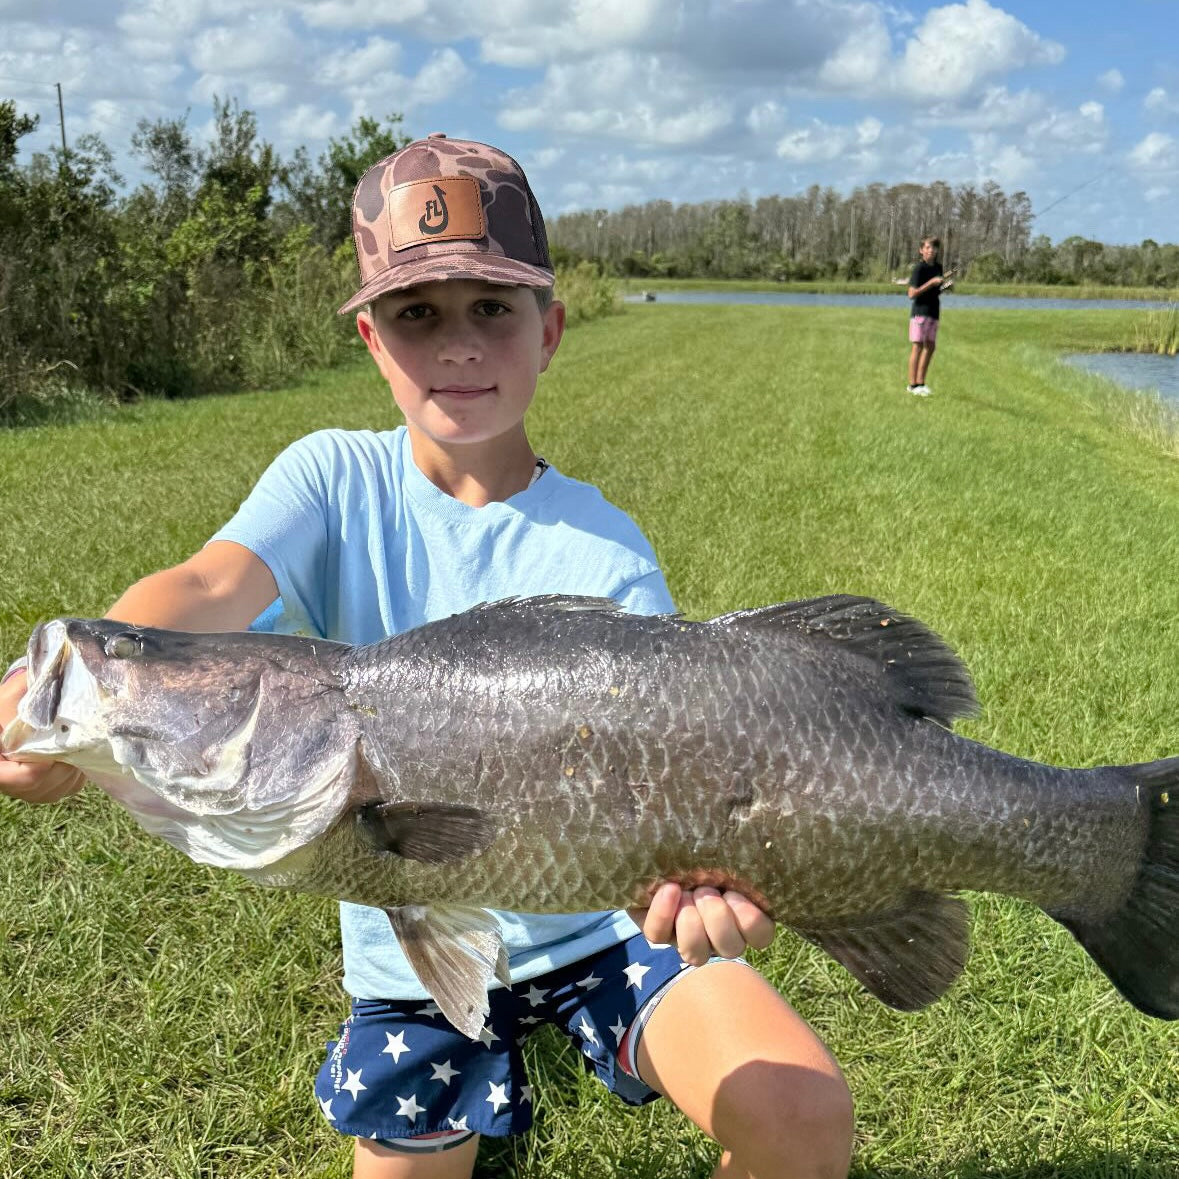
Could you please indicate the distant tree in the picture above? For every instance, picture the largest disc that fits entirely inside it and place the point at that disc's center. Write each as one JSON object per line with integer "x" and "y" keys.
{"x": 169, "y": 154}
{"x": 320, "y": 194}
{"x": 13, "y": 127}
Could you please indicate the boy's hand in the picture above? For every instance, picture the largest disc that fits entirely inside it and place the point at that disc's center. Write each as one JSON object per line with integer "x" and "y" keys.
{"x": 32, "y": 781}
{"x": 702, "y": 922}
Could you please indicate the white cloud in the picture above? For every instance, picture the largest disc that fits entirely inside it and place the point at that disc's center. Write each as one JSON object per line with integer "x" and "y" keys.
{"x": 1083, "y": 130}
{"x": 996, "y": 108}
{"x": 663, "y": 105}
{"x": 1156, "y": 152}
{"x": 256, "y": 43}
{"x": 860, "y": 148}
{"x": 1111, "y": 81}
{"x": 766, "y": 118}
{"x": 957, "y": 46}
{"x": 1158, "y": 101}
{"x": 346, "y": 67}
{"x": 305, "y": 122}
{"x": 863, "y": 61}
{"x": 1156, "y": 193}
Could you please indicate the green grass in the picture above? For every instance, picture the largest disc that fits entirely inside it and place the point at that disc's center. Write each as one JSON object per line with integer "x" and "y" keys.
{"x": 165, "y": 1020}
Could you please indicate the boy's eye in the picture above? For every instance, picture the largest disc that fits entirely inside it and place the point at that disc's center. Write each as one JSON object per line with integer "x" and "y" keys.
{"x": 493, "y": 308}
{"x": 414, "y": 311}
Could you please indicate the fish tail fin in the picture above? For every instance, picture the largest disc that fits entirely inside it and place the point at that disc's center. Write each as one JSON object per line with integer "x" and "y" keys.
{"x": 1138, "y": 945}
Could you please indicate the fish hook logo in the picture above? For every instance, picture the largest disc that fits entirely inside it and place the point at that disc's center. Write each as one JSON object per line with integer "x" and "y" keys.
{"x": 436, "y": 217}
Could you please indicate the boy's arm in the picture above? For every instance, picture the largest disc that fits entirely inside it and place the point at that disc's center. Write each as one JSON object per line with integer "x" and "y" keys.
{"x": 222, "y": 587}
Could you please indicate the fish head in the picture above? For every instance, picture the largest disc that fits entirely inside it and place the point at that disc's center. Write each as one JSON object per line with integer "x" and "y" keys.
{"x": 233, "y": 747}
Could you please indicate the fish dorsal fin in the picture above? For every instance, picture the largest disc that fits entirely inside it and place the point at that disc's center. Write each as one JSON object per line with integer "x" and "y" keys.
{"x": 922, "y": 673}
{"x": 907, "y": 957}
{"x": 456, "y": 952}
{"x": 548, "y": 604}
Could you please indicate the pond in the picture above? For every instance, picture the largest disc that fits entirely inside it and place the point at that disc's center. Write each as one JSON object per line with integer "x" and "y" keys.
{"x": 809, "y": 299}
{"x": 1134, "y": 370}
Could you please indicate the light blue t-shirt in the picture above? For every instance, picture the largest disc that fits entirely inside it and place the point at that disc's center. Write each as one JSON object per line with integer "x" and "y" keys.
{"x": 363, "y": 545}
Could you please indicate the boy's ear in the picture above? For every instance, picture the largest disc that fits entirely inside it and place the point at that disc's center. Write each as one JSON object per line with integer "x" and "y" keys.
{"x": 554, "y": 329}
{"x": 368, "y": 332}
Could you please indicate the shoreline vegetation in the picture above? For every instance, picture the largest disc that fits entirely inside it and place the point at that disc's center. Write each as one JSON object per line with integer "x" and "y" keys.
{"x": 165, "y": 1019}
{"x": 1011, "y": 290}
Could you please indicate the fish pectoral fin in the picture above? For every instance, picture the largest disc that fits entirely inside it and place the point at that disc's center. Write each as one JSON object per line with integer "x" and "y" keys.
{"x": 431, "y": 833}
{"x": 455, "y": 952}
{"x": 907, "y": 957}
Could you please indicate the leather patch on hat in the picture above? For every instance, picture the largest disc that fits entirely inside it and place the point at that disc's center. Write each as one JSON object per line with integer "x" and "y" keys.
{"x": 444, "y": 209}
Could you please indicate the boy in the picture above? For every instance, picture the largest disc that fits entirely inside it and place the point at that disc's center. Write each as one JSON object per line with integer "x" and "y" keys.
{"x": 925, "y": 285}
{"x": 355, "y": 535}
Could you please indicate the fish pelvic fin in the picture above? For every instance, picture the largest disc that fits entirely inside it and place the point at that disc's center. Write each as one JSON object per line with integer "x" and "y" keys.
{"x": 1137, "y": 946}
{"x": 431, "y": 833}
{"x": 456, "y": 952}
{"x": 922, "y": 674}
{"x": 907, "y": 957}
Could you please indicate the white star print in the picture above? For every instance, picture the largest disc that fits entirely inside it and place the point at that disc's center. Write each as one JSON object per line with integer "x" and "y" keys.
{"x": 395, "y": 1045}
{"x": 530, "y": 1019}
{"x": 407, "y": 1107}
{"x": 587, "y": 1031}
{"x": 498, "y": 1095}
{"x": 461, "y": 1124}
{"x": 634, "y": 976}
{"x": 443, "y": 1072}
{"x": 619, "y": 1030}
{"x": 486, "y": 1035}
{"x": 526, "y": 1093}
{"x": 431, "y": 1009}
{"x": 326, "y": 1108}
{"x": 535, "y": 996}
{"x": 590, "y": 981}
{"x": 352, "y": 1084}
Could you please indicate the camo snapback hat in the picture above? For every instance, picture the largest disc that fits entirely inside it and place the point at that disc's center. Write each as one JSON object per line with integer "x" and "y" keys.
{"x": 446, "y": 208}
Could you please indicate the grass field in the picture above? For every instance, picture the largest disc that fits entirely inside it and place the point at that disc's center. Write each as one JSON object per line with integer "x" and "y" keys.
{"x": 164, "y": 1020}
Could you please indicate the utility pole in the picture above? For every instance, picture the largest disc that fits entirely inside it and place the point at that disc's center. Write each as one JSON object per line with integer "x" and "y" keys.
{"x": 61, "y": 118}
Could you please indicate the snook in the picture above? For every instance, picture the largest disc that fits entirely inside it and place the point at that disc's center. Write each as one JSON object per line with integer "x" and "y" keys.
{"x": 557, "y": 755}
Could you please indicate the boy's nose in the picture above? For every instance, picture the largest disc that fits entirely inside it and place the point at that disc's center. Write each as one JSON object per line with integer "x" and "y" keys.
{"x": 459, "y": 346}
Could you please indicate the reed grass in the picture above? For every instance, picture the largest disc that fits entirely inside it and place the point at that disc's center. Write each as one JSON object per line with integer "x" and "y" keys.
{"x": 163, "y": 1020}
{"x": 1158, "y": 332}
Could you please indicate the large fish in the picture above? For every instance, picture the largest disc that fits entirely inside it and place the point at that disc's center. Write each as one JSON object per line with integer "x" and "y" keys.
{"x": 557, "y": 755}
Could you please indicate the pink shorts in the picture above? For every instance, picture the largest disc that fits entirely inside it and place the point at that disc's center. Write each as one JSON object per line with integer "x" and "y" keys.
{"x": 923, "y": 329}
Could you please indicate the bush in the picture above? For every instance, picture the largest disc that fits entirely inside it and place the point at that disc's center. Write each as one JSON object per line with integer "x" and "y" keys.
{"x": 587, "y": 293}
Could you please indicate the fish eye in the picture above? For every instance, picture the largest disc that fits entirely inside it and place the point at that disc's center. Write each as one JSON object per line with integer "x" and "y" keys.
{"x": 124, "y": 646}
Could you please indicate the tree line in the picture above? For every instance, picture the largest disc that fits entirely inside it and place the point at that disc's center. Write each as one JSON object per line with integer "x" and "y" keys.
{"x": 223, "y": 268}
{"x": 872, "y": 234}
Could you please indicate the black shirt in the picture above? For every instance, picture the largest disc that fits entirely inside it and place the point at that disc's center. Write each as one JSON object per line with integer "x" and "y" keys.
{"x": 928, "y": 302}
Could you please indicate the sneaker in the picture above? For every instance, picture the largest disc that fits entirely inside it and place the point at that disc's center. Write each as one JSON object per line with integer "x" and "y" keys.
{"x": 920, "y": 390}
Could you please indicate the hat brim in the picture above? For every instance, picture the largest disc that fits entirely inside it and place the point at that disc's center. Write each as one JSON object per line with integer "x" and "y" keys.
{"x": 441, "y": 267}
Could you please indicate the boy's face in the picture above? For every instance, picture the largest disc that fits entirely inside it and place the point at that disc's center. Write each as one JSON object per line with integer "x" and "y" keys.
{"x": 928, "y": 251}
{"x": 462, "y": 356}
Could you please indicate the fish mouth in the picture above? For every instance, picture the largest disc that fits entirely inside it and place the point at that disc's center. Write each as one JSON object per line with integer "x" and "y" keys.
{"x": 55, "y": 674}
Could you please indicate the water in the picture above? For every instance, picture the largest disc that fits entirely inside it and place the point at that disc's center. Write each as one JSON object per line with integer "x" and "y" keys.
{"x": 1134, "y": 370}
{"x": 898, "y": 301}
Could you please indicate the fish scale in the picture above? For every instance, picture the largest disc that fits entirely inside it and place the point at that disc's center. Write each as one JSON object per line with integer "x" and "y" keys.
{"x": 556, "y": 755}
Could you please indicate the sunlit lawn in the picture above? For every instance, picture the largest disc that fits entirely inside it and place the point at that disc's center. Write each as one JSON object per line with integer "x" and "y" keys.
{"x": 160, "y": 1019}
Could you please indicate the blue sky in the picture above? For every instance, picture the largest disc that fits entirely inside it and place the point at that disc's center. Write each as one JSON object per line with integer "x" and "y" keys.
{"x": 611, "y": 102}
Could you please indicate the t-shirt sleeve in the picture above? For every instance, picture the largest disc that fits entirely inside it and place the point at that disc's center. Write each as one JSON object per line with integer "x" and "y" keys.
{"x": 284, "y": 521}
{"x": 915, "y": 278}
{"x": 647, "y": 594}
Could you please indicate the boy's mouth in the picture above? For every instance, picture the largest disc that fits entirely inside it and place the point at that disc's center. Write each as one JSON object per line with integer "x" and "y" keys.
{"x": 463, "y": 392}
